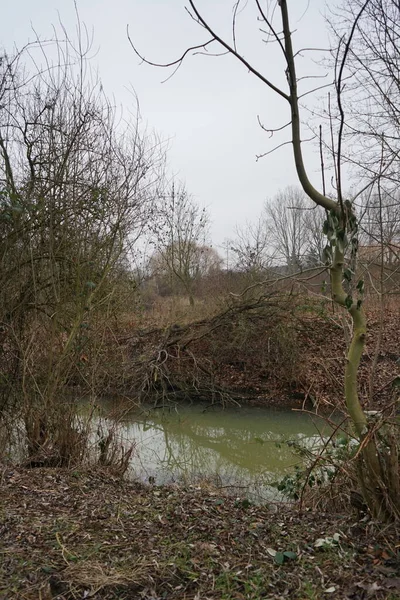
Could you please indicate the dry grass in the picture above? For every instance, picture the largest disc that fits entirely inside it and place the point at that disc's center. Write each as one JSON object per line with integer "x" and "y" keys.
{"x": 171, "y": 310}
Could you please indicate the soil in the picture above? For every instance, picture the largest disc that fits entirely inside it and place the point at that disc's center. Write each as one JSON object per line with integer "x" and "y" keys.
{"x": 74, "y": 534}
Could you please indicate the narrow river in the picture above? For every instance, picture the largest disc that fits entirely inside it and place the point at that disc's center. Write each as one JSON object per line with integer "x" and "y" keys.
{"x": 238, "y": 448}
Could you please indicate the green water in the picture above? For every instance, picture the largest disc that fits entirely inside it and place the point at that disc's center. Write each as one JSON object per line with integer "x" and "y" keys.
{"x": 243, "y": 448}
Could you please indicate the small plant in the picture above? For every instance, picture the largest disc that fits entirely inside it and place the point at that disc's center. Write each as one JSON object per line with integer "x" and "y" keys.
{"x": 290, "y": 485}
{"x": 322, "y": 467}
{"x": 281, "y": 557}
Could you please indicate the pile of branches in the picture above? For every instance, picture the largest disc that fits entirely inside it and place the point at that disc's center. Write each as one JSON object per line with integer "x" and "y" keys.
{"x": 183, "y": 362}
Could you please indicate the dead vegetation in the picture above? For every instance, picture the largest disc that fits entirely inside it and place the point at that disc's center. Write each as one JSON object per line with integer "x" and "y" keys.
{"x": 74, "y": 534}
{"x": 276, "y": 349}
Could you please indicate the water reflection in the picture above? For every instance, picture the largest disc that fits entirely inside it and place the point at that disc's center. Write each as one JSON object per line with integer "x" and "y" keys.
{"x": 243, "y": 447}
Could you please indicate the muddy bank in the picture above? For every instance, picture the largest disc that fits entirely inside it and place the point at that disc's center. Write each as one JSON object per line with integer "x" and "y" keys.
{"x": 73, "y": 534}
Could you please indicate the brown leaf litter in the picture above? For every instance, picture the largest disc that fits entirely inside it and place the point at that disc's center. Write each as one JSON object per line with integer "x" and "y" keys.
{"x": 76, "y": 534}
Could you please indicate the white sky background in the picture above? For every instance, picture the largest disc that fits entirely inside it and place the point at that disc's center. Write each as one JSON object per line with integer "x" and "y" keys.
{"x": 209, "y": 108}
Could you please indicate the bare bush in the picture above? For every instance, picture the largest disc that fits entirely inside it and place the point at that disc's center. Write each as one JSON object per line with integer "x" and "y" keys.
{"x": 77, "y": 187}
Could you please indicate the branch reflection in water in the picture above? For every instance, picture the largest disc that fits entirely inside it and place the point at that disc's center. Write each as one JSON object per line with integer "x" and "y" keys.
{"x": 238, "y": 447}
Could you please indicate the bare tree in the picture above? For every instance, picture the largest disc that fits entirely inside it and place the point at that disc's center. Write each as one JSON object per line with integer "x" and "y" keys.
{"x": 371, "y": 97}
{"x": 314, "y": 222}
{"x": 209, "y": 261}
{"x": 179, "y": 237}
{"x": 251, "y": 248}
{"x": 288, "y": 234}
{"x": 294, "y": 228}
{"x": 380, "y": 223}
{"x": 378, "y": 475}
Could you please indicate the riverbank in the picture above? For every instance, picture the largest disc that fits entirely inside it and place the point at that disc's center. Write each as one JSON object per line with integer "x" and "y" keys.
{"x": 72, "y": 534}
{"x": 285, "y": 352}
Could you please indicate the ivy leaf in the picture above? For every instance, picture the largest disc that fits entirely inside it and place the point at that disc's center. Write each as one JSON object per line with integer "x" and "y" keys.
{"x": 327, "y": 255}
{"x": 360, "y": 286}
{"x": 341, "y": 234}
{"x": 348, "y": 302}
{"x": 354, "y": 226}
{"x": 279, "y": 558}
{"x": 290, "y": 555}
{"x": 331, "y": 235}
{"x": 348, "y": 274}
{"x": 333, "y": 219}
{"x": 245, "y": 503}
{"x": 48, "y": 570}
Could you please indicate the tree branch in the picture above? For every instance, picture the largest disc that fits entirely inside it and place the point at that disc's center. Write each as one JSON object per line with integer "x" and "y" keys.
{"x": 236, "y": 55}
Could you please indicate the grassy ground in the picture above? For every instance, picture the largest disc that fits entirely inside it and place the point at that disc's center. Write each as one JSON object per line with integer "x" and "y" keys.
{"x": 72, "y": 534}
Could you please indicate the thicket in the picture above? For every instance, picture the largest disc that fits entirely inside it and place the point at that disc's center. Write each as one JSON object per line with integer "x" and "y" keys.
{"x": 76, "y": 189}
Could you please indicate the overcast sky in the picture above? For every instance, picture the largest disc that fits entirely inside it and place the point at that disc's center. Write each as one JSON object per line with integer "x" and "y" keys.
{"x": 208, "y": 109}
